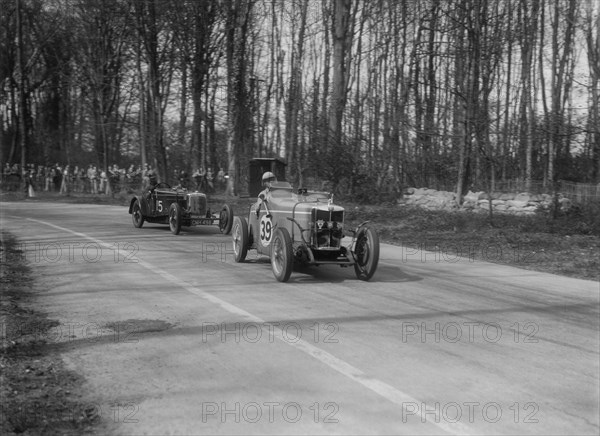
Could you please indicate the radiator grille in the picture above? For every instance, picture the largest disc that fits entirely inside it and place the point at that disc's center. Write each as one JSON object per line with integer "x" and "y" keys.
{"x": 328, "y": 228}
{"x": 197, "y": 205}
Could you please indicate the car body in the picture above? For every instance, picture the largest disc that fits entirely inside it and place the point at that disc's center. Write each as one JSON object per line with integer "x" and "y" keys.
{"x": 177, "y": 207}
{"x": 305, "y": 227}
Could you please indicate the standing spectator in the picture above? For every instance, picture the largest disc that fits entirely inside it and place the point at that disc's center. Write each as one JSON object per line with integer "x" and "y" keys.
{"x": 64, "y": 186}
{"x": 92, "y": 175}
{"x": 29, "y": 181}
{"x": 75, "y": 179}
{"x": 221, "y": 179}
{"x": 137, "y": 178}
{"x": 114, "y": 177}
{"x": 145, "y": 177}
{"x": 209, "y": 180}
{"x": 122, "y": 178}
{"x": 31, "y": 175}
{"x": 103, "y": 182}
{"x": 6, "y": 171}
{"x": 48, "y": 173}
{"x": 39, "y": 177}
{"x": 82, "y": 179}
{"x": 57, "y": 177}
{"x": 198, "y": 177}
{"x": 94, "y": 181}
{"x": 130, "y": 176}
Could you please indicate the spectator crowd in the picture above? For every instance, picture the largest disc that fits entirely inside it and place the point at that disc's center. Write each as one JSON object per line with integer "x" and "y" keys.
{"x": 66, "y": 179}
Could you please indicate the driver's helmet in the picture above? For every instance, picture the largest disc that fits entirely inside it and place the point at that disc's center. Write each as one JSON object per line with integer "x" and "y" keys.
{"x": 268, "y": 178}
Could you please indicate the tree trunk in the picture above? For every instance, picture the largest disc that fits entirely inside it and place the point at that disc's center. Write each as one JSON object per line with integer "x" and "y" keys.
{"x": 341, "y": 26}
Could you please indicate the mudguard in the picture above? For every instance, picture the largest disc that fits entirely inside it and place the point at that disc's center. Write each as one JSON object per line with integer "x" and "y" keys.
{"x": 143, "y": 205}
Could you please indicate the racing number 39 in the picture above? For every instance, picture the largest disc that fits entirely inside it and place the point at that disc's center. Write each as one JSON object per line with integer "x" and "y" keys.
{"x": 266, "y": 230}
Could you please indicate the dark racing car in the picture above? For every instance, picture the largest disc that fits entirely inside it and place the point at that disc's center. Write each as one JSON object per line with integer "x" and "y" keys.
{"x": 177, "y": 207}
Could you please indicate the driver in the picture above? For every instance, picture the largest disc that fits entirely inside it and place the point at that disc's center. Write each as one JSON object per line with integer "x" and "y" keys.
{"x": 268, "y": 178}
{"x": 152, "y": 179}
{"x": 183, "y": 180}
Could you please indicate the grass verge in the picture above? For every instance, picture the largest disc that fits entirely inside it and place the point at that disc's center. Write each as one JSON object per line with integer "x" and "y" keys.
{"x": 563, "y": 246}
{"x": 39, "y": 395}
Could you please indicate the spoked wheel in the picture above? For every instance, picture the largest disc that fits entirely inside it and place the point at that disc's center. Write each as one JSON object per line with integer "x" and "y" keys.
{"x": 282, "y": 256}
{"x": 240, "y": 238}
{"x": 366, "y": 252}
{"x": 136, "y": 215}
{"x": 175, "y": 218}
{"x": 226, "y": 219}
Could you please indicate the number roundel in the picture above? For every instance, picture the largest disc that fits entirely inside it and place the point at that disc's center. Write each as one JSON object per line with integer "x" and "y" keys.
{"x": 265, "y": 230}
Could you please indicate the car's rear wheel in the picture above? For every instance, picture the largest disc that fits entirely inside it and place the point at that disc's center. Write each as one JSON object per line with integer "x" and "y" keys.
{"x": 175, "y": 218}
{"x": 282, "y": 255}
{"x": 226, "y": 219}
{"x": 240, "y": 238}
{"x": 366, "y": 253}
{"x": 136, "y": 214}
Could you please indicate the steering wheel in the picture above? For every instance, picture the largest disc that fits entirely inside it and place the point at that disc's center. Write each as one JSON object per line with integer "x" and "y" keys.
{"x": 162, "y": 185}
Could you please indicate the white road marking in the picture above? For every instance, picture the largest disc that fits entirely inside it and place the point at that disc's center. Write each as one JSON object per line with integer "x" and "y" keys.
{"x": 379, "y": 387}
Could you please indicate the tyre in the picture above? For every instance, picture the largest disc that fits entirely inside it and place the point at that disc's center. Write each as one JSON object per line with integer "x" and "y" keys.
{"x": 240, "y": 238}
{"x": 136, "y": 215}
{"x": 226, "y": 219}
{"x": 282, "y": 256}
{"x": 366, "y": 253}
{"x": 175, "y": 218}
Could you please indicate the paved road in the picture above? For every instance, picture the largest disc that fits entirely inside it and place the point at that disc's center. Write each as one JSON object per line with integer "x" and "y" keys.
{"x": 173, "y": 337}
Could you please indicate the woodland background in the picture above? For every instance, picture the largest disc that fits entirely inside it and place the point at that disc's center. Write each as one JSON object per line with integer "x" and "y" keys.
{"x": 445, "y": 94}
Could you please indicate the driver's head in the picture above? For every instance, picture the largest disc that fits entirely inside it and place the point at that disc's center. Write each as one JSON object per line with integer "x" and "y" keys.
{"x": 268, "y": 178}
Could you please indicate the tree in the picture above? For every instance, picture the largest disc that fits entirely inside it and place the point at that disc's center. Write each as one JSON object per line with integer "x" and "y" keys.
{"x": 101, "y": 38}
{"x": 22, "y": 104}
{"x": 155, "y": 44}
{"x": 238, "y": 21}
{"x": 528, "y": 21}
{"x": 592, "y": 38}
{"x": 563, "y": 19}
{"x": 294, "y": 99}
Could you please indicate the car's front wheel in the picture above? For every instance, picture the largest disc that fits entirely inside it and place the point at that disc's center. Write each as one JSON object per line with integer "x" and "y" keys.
{"x": 366, "y": 253}
{"x": 282, "y": 255}
{"x": 226, "y": 219}
{"x": 175, "y": 218}
{"x": 136, "y": 215}
{"x": 240, "y": 238}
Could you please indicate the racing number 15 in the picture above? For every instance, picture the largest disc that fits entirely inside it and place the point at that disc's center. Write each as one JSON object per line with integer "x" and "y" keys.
{"x": 266, "y": 230}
